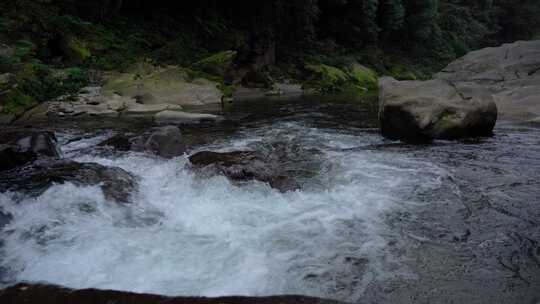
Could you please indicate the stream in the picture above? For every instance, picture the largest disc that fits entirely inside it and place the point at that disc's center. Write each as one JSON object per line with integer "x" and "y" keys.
{"x": 374, "y": 221}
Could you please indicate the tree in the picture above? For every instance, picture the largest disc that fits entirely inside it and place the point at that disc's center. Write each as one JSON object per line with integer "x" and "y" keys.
{"x": 421, "y": 19}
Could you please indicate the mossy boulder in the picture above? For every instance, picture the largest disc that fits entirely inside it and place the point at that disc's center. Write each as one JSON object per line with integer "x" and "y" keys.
{"x": 400, "y": 72}
{"x": 354, "y": 80}
{"x": 163, "y": 85}
{"x": 218, "y": 64}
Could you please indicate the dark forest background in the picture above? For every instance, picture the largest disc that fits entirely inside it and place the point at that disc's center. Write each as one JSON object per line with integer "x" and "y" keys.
{"x": 403, "y": 38}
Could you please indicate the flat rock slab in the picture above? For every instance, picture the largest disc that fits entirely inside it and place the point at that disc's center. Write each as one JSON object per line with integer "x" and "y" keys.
{"x": 510, "y": 72}
{"x": 49, "y": 294}
{"x": 179, "y": 117}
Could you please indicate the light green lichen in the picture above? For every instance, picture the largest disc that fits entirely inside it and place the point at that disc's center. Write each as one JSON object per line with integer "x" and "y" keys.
{"x": 77, "y": 50}
{"x": 216, "y": 64}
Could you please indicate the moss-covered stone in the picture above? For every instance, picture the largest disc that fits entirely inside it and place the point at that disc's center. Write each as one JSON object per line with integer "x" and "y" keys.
{"x": 402, "y": 73}
{"x": 76, "y": 50}
{"x": 172, "y": 85}
{"x": 364, "y": 77}
{"x": 356, "y": 80}
{"x": 217, "y": 64}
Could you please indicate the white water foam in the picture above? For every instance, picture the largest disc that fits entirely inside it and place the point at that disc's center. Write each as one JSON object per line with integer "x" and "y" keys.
{"x": 187, "y": 235}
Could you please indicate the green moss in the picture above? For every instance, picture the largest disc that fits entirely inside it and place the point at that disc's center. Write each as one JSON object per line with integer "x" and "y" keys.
{"x": 17, "y": 102}
{"x": 226, "y": 89}
{"x": 216, "y": 64}
{"x": 364, "y": 77}
{"x": 325, "y": 78}
{"x": 357, "y": 80}
{"x": 77, "y": 50}
{"x": 401, "y": 72}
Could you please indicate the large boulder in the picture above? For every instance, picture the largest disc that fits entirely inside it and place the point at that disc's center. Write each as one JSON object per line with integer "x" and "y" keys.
{"x": 34, "y": 179}
{"x": 435, "y": 109}
{"x": 21, "y": 146}
{"x": 245, "y": 166}
{"x": 510, "y": 72}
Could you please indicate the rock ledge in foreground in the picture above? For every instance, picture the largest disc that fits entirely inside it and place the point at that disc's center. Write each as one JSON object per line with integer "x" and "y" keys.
{"x": 48, "y": 294}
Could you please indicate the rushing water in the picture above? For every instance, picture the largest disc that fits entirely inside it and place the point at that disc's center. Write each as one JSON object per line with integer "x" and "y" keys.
{"x": 375, "y": 221}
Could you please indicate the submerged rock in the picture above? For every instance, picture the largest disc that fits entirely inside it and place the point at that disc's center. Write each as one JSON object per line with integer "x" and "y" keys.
{"x": 117, "y": 184}
{"x": 245, "y": 166}
{"x": 119, "y": 142}
{"x": 166, "y": 142}
{"x": 21, "y": 146}
{"x": 435, "y": 109}
{"x": 45, "y": 294}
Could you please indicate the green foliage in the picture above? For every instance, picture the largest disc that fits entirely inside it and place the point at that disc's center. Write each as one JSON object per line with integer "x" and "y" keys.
{"x": 330, "y": 34}
{"x": 421, "y": 19}
{"x": 217, "y": 64}
{"x": 75, "y": 78}
{"x": 24, "y": 50}
{"x": 71, "y": 25}
{"x": 391, "y": 15}
{"x": 17, "y": 102}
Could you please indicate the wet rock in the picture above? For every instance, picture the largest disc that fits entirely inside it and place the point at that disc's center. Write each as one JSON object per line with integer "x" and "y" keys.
{"x": 166, "y": 142}
{"x": 119, "y": 142}
{"x": 434, "y": 109}
{"x": 5, "y": 218}
{"x": 49, "y": 294}
{"x": 245, "y": 166}
{"x": 21, "y": 146}
{"x": 34, "y": 179}
{"x": 179, "y": 117}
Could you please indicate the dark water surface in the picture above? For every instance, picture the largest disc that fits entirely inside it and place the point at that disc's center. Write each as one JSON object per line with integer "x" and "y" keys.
{"x": 375, "y": 221}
